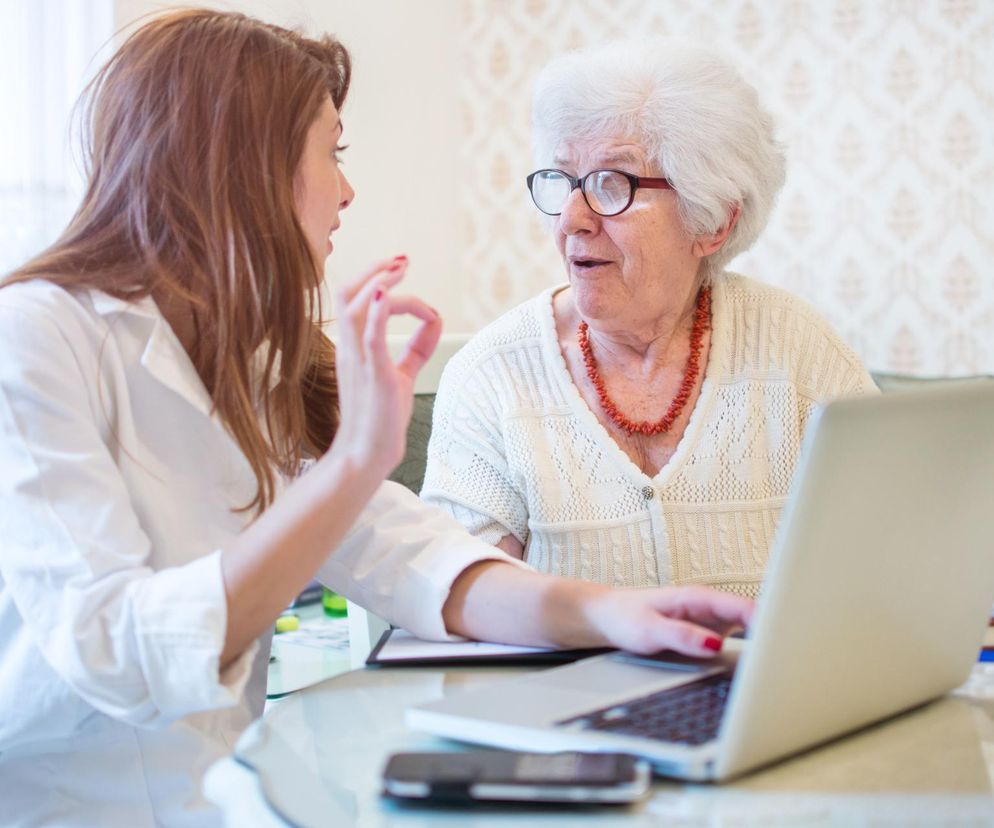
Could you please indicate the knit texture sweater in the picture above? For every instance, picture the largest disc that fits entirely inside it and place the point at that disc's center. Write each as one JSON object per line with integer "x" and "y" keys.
{"x": 515, "y": 450}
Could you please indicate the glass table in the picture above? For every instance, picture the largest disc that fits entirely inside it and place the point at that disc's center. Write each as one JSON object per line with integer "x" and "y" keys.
{"x": 315, "y": 758}
{"x": 317, "y": 650}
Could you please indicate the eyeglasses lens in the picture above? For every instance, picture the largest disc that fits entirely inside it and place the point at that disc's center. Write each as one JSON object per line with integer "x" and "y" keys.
{"x": 551, "y": 190}
{"x": 607, "y": 192}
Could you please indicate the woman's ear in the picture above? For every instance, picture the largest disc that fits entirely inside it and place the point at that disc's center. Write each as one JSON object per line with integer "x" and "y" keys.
{"x": 706, "y": 245}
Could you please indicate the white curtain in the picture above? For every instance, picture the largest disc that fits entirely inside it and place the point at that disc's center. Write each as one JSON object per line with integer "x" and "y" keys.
{"x": 49, "y": 49}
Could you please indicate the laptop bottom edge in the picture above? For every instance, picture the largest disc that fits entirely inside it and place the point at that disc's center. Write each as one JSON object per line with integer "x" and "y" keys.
{"x": 668, "y": 760}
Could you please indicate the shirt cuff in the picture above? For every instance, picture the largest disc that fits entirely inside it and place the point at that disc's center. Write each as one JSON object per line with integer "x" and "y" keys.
{"x": 401, "y": 558}
{"x": 181, "y": 626}
{"x": 421, "y": 595}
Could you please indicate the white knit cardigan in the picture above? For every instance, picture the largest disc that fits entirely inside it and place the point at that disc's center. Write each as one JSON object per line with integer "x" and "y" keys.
{"x": 516, "y": 450}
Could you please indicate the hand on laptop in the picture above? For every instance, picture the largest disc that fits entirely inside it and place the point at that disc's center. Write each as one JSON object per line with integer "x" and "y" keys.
{"x": 691, "y": 620}
{"x": 492, "y": 601}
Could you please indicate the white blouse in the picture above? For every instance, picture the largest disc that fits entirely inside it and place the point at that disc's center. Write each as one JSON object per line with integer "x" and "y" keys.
{"x": 515, "y": 450}
{"x": 118, "y": 488}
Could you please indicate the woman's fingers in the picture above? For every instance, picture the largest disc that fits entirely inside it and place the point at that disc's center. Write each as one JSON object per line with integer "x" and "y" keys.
{"x": 690, "y": 620}
{"x": 348, "y": 290}
{"x": 710, "y": 607}
{"x": 422, "y": 343}
{"x": 663, "y": 633}
{"x": 421, "y": 346}
{"x": 684, "y": 637}
{"x": 694, "y": 620}
{"x": 374, "y": 338}
{"x": 359, "y": 303}
{"x": 366, "y": 306}
{"x": 352, "y": 322}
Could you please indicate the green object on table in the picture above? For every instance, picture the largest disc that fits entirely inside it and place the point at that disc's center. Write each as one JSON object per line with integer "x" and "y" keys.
{"x": 333, "y": 603}
{"x": 287, "y": 623}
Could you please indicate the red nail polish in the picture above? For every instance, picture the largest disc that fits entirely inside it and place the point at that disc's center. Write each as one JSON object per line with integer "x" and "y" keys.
{"x": 400, "y": 258}
{"x": 395, "y": 267}
{"x": 378, "y": 295}
{"x": 712, "y": 642}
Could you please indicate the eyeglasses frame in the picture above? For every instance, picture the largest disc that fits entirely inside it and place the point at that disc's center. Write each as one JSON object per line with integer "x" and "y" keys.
{"x": 637, "y": 182}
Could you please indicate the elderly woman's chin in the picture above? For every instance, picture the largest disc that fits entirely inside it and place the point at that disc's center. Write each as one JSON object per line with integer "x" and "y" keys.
{"x": 598, "y": 293}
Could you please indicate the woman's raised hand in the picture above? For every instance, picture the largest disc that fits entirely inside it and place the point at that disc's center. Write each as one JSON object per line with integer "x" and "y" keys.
{"x": 376, "y": 393}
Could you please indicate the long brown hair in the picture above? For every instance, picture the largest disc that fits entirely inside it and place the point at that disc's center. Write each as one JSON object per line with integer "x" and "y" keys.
{"x": 196, "y": 128}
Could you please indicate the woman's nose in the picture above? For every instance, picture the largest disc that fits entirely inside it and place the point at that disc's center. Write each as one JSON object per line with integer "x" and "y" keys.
{"x": 577, "y": 217}
{"x": 348, "y": 194}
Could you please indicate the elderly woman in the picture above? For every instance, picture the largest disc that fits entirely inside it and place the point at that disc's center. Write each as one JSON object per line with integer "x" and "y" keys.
{"x": 640, "y": 424}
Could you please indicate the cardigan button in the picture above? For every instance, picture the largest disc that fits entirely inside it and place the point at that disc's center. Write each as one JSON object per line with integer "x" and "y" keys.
{"x": 648, "y": 492}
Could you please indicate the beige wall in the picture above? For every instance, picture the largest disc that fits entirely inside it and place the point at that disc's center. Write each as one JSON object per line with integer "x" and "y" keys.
{"x": 887, "y": 110}
{"x": 886, "y": 223}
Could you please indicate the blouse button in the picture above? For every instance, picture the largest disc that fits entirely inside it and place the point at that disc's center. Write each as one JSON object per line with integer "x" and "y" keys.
{"x": 648, "y": 492}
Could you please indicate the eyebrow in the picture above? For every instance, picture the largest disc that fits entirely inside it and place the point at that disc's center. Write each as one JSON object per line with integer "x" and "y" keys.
{"x": 623, "y": 157}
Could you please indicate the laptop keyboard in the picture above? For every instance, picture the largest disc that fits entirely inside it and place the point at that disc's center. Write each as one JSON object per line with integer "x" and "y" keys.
{"x": 689, "y": 714}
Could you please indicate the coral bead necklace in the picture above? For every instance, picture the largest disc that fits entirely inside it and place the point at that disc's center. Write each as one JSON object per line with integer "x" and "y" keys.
{"x": 702, "y": 320}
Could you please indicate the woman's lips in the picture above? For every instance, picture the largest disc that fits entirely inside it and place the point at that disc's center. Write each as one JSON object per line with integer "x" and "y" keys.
{"x": 585, "y": 263}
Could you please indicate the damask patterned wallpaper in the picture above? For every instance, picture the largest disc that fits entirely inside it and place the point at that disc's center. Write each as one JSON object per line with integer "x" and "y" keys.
{"x": 886, "y": 108}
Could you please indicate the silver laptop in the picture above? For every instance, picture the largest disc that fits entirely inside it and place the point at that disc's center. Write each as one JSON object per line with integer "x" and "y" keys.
{"x": 879, "y": 587}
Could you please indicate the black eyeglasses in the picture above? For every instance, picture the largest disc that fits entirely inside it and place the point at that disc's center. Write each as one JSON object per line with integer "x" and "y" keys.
{"x": 607, "y": 192}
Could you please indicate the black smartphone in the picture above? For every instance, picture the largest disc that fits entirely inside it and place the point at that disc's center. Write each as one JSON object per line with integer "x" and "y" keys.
{"x": 507, "y": 776}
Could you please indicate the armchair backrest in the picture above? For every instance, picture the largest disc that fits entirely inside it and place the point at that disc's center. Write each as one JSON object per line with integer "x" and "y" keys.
{"x": 411, "y": 471}
{"x": 888, "y": 382}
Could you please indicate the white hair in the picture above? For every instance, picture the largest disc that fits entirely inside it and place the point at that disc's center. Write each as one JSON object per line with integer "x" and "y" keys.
{"x": 694, "y": 115}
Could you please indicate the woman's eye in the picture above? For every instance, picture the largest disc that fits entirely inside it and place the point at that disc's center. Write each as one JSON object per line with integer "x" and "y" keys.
{"x": 338, "y": 153}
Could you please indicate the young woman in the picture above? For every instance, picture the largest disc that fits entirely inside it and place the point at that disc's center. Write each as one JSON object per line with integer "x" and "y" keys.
{"x": 163, "y": 380}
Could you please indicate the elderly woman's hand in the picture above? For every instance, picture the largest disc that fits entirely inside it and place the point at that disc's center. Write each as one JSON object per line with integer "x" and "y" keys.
{"x": 493, "y": 601}
{"x": 691, "y": 620}
{"x": 376, "y": 393}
